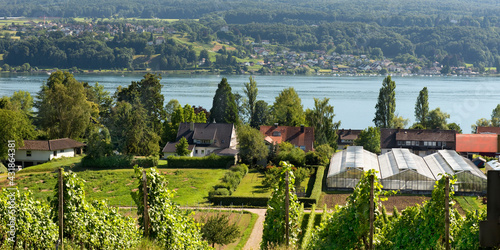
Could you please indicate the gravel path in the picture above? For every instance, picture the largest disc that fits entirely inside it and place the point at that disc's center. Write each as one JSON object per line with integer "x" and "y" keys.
{"x": 253, "y": 242}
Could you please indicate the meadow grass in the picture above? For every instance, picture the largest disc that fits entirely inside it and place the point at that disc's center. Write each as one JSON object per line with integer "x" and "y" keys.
{"x": 191, "y": 185}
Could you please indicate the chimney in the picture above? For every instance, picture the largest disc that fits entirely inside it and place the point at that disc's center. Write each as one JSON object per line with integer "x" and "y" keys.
{"x": 302, "y": 128}
{"x": 276, "y": 125}
{"x": 191, "y": 126}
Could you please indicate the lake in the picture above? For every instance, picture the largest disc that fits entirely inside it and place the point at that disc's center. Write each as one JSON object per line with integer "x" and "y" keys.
{"x": 466, "y": 99}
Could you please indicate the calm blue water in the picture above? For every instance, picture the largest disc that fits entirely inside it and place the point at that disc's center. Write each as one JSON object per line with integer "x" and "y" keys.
{"x": 466, "y": 99}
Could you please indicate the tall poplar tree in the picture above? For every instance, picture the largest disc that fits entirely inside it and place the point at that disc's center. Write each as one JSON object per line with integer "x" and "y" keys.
{"x": 386, "y": 105}
{"x": 422, "y": 107}
{"x": 224, "y": 108}
{"x": 251, "y": 92}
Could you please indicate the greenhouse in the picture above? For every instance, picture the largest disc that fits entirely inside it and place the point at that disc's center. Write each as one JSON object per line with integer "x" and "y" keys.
{"x": 399, "y": 169}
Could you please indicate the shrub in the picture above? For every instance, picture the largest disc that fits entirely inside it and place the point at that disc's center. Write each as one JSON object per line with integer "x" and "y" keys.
{"x": 146, "y": 162}
{"x": 211, "y": 161}
{"x": 221, "y": 191}
{"x": 233, "y": 179}
{"x": 241, "y": 168}
{"x": 230, "y": 181}
{"x": 114, "y": 161}
{"x": 288, "y": 152}
{"x": 313, "y": 158}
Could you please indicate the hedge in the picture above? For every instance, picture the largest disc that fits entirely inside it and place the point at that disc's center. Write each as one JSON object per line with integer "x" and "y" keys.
{"x": 114, "y": 161}
{"x": 262, "y": 201}
{"x": 211, "y": 161}
{"x": 146, "y": 162}
{"x": 309, "y": 228}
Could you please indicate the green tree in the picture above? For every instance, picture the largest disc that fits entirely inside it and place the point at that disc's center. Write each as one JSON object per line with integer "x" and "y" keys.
{"x": 101, "y": 98}
{"x": 99, "y": 144}
{"x": 170, "y": 227}
{"x": 399, "y": 122}
{"x": 482, "y": 122}
{"x": 437, "y": 119}
{"x": 287, "y": 109}
{"x": 454, "y": 126}
{"x": 224, "y": 108}
{"x": 386, "y": 105}
{"x": 251, "y": 145}
{"x": 147, "y": 92}
{"x": 495, "y": 116}
{"x": 22, "y": 100}
{"x": 287, "y": 152}
{"x": 171, "y": 106}
{"x": 217, "y": 229}
{"x": 422, "y": 107}
{"x": 321, "y": 119}
{"x": 274, "y": 224}
{"x": 251, "y": 92}
{"x": 261, "y": 115}
{"x": 130, "y": 132}
{"x": 14, "y": 126}
{"x": 63, "y": 108}
{"x": 182, "y": 148}
{"x": 369, "y": 139}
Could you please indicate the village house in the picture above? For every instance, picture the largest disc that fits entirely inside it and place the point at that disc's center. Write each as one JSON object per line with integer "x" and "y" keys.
{"x": 35, "y": 152}
{"x": 346, "y": 137}
{"x": 419, "y": 141}
{"x": 205, "y": 139}
{"x": 301, "y": 137}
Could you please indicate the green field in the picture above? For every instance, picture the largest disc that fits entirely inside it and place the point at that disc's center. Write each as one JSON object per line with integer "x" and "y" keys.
{"x": 251, "y": 185}
{"x": 191, "y": 185}
{"x": 470, "y": 203}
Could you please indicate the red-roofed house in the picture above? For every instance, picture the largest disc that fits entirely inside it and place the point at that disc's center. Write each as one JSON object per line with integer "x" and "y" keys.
{"x": 39, "y": 151}
{"x": 482, "y": 144}
{"x": 488, "y": 130}
{"x": 302, "y": 137}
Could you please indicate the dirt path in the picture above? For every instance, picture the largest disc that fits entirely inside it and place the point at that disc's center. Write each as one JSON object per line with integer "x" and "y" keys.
{"x": 253, "y": 242}
{"x": 255, "y": 238}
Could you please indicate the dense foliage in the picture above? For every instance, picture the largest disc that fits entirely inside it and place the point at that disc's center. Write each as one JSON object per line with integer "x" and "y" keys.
{"x": 170, "y": 227}
{"x": 274, "y": 224}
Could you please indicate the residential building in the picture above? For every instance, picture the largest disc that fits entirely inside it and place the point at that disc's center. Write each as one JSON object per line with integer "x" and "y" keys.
{"x": 35, "y": 152}
{"x": 205, "y": 139}
{"x": 479, "y": 144}
{"x": 419, "y": 141}
{"x": 347, "y": 137}
{"x": 302, "y": 137}
{"x": 488, "y": 130}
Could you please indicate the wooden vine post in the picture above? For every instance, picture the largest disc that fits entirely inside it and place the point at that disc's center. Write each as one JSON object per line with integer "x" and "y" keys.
{"x": 447, "y": 213}
{"x": 61, "y": 209}
{"x": 145, "y": 203}
{"x": 372, "y": 211}
{"x": 287, "y": 211}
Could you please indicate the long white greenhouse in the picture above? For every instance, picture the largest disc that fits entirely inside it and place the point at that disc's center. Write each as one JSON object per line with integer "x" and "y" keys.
{"x": 400, "y": 169}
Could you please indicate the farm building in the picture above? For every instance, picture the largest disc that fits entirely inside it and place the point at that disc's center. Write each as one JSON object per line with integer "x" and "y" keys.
{"x": 399, "y": 169}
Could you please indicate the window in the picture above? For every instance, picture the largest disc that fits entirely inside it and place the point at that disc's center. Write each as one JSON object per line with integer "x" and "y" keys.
{"x": 61, "y": 151}
{"x": 28, "y": 153}
{"x": 276, "y": 133}
{"x": 202, "y": 151}
{"x": 55, "y": 153}
{"x": 408, "y": 143}
{"x": 303, "y": 147}
{"x": 196, "y": 151}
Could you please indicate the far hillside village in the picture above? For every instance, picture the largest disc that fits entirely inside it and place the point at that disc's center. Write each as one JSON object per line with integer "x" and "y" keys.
{"x": 259, "y": 57}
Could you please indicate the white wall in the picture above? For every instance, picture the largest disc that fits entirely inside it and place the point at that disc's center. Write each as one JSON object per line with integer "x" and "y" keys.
{"x": 37, "y": 155}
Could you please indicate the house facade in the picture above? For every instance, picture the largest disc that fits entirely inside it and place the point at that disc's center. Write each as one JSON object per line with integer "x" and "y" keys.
{"x": 347, "y": 137}
{"x": 35, "y": 152}
{"x": 205, "y": 139}
{"x": 419, "y": 141}
{"x": 301, "y": 137}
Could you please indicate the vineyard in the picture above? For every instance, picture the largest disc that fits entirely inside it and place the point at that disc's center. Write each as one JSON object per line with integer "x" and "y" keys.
{"x": 88, "y": 224}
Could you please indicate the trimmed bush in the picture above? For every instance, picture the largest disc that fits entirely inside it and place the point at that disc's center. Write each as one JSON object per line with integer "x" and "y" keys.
{"x": 114, "y": 161}
{"x": 211, "y": 161}
{"x": 318, "y": 184}
{"x": 309, "y": 228}
{"x": 146, "y": 162}
{"x": 239, "y": 200}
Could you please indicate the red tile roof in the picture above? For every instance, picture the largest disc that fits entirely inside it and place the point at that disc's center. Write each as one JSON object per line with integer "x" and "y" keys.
{"x": 488, "y": 130}
{"x": 294, "y": 135}
{"x": 50, "y": 145}
{"x": 477, "y": 143}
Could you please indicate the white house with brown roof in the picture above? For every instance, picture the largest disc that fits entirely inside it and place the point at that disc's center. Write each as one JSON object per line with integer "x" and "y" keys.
{"x": 39, "y": 151}
{"x": 205, "y": 138}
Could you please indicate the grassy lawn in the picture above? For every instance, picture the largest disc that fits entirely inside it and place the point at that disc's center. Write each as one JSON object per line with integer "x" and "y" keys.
{"x": 470, "y": 203}
{"x": 191, "y": 185}
{"x": 52, "y": 165}
{"x": 251, "y": 186}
